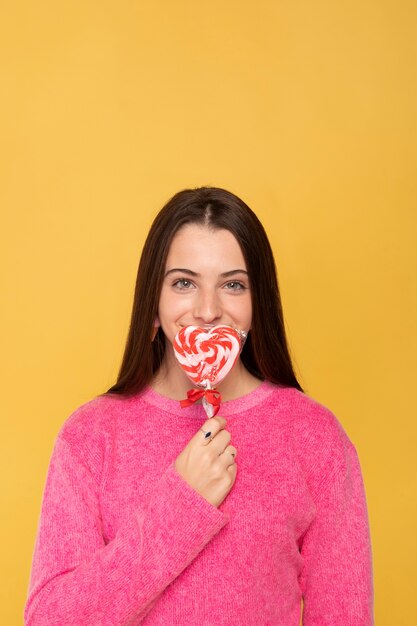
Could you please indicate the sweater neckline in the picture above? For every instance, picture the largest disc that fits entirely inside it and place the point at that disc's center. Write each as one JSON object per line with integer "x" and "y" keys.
{"x": 231, "y": 407}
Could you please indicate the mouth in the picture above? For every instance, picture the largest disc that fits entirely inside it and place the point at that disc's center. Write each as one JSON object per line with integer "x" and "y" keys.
{"x": 200, "y": 325}
{"x": 206, "y": 327}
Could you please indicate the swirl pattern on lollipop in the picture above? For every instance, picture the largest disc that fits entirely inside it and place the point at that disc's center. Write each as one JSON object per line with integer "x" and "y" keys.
{"x": 207, "y": 356}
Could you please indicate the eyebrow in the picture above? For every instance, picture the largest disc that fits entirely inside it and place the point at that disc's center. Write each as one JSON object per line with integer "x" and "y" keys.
{"x": 194, "y": 274}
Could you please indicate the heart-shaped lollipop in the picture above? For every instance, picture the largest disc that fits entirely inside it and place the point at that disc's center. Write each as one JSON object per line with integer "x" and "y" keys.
{"x": 207, "y": 356}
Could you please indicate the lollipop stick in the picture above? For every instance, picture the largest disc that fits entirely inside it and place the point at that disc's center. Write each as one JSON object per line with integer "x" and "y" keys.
{"x": 209, "y": 408}
{"x": 211, "y": 400}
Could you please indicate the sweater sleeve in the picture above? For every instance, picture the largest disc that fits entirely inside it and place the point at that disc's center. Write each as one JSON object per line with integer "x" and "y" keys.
{"x": 337, "y": 574}
{"x": 78, "y": 578}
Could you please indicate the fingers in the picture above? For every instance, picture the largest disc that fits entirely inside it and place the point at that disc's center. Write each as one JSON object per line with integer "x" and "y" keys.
{"x": 210, "y": 429}
{"x": 228, "y": 455}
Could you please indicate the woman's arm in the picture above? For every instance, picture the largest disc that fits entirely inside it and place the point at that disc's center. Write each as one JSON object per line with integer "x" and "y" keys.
{"x": 337, "y": 574}
{"x": 77, "y": 579}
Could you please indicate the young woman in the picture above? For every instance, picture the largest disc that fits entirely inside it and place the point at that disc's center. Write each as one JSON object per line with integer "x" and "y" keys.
{"x": 154, "y": 514}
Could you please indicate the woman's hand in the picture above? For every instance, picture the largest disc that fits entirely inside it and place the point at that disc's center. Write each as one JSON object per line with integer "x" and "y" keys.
{"x": 207, "y": 463}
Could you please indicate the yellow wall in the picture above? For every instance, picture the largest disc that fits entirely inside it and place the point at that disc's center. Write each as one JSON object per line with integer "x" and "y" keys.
{"x": 305, "y": 109}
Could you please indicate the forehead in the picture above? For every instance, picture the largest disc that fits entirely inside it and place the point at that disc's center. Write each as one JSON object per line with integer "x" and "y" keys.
{"x": 195, "y": 244}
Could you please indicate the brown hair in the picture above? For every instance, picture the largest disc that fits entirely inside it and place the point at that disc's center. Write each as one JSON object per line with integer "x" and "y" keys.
{"x": 265, "y": 353}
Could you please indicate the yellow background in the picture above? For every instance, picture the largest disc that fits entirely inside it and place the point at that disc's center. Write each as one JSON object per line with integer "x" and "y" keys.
{"x": 306, "y": 109}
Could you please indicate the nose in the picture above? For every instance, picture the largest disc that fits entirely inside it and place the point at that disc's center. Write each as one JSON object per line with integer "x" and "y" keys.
{"x": 207, "y": 306}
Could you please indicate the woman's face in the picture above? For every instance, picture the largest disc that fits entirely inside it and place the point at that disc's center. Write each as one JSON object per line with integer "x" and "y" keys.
{"x": 205, "y": 283}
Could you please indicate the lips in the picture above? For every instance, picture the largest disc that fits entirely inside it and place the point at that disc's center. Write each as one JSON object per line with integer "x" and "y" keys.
{"x": 202, "y": 325}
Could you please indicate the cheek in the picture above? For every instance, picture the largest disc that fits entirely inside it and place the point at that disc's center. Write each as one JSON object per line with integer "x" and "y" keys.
{"x": 242, "y": 306}
{"x": 246, "y": 313}
{"x": 170, "y": 305}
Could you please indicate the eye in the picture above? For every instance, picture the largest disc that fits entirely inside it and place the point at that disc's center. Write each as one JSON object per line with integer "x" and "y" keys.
{"x": 235, "y": 285}
{"x": 182, "y": 283}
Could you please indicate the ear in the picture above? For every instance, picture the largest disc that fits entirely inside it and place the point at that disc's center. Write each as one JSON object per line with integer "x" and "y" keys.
{"x": 156, "y": 325}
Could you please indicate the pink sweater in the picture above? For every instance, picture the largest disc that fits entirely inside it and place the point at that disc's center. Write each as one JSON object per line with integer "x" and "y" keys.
{"x": 123, "y": 539}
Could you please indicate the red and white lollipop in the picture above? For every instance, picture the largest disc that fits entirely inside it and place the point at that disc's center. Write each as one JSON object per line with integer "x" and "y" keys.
{"x": 207, "y": 356}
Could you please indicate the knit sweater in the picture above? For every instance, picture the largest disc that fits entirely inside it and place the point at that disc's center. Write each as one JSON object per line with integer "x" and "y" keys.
{"x": 123, "y": 539}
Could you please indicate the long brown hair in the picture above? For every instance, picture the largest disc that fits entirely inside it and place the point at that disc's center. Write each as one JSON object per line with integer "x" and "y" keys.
{"x": 265, "y": 353}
